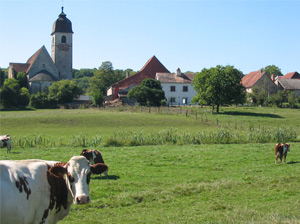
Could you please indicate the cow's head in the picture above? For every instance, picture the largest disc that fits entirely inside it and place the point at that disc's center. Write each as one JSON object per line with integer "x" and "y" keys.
{"x": 286, "y": 147}
{"x": 77, "y": 173}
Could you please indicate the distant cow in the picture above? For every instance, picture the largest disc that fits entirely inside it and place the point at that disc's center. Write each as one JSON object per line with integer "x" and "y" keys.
{"x": 94, "y": 156}
{"x": 5, "y": 141}
{"x": 38, "y": 191}
{"x": 281, "y": 150}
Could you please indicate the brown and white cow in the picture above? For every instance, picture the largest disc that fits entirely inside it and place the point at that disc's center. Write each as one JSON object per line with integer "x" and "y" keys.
{"x": 94, "y": 156}
{"x": 38, "y": 191}
{"x": 281, "y": 150}
{"x": 5, "y": 141}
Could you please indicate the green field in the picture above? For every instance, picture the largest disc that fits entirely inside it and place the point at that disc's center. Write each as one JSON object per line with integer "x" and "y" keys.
{"x": 172, "y": 183}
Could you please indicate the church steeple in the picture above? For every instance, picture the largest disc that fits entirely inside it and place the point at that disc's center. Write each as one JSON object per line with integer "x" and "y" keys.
{"x": 62, "y": 45}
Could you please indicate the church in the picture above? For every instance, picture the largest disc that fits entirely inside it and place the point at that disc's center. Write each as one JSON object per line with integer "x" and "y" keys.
{"x": 41, "y": 68}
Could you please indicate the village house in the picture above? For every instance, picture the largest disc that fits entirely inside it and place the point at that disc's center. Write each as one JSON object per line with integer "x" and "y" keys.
{"x": 260, "y": 80}
{"x": 289, "y": 82}
{"x": 177, "y": 87}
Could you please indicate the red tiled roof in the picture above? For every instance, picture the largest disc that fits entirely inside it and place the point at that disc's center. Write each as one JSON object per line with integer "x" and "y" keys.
{"x": 291, "y": 75}
{"x": 33, "y": 57}
{"x": 149, "y": 70}
{"x": 249, "y": 80}
{"x": 19, "y": 67}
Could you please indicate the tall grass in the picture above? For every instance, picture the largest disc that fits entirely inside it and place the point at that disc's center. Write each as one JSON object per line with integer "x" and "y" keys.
{"x": 168, "y": 136}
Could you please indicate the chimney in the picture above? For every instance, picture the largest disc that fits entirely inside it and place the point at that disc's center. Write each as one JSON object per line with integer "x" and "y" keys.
{"x": 273, "y": 77}
{"x": 178, "y": 72}
{"x": 127, "y": 74}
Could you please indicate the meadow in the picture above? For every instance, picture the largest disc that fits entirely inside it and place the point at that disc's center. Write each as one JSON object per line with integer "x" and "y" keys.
{"x": 170, "y": 181}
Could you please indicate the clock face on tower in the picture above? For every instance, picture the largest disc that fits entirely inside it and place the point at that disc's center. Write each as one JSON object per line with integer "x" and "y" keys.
{"x": 63, "y": 47}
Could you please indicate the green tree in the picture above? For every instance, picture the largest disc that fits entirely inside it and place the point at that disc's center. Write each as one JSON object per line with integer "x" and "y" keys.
{"x": 292, "y": 99}
{"x": 64, "y": 91}
{"x": 218, "y": 86}
{"x": 272, "y": 70}
{"x": 22, "y": 79}
{"x": 258, "y": 96}
{"x": 148, "y": 93}
{"x": 1, "y": 77}
{"x": 98, "y": 98}
{"x": 24, "y": 97}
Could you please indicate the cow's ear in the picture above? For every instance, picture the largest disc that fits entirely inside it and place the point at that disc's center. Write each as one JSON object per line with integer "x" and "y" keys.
{"x": 58, "y": 171}
{"x": 83, "y": 152}
{"x": 99, "y": 168}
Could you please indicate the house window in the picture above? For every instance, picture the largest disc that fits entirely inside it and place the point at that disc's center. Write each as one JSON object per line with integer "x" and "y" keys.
{"x": 63, "y": 39}
{"x": 173, "y": 89}
{"x": 172, "y": 100}
{"x": 185, "y": 89}
{"x": 184, "y": 100}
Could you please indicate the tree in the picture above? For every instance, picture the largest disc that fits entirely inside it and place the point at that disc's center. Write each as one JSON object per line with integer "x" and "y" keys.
{"x": 22, "y": 79}
{"x": 218, "y": 86}
{"x": 292, "y": 99}
{"x": 272, "y": 70}
{"x": 148, "y": 93}
{"x": 64, "y": 91}
{"x": 258, "y": 96}
{"x": 12, "y": 95}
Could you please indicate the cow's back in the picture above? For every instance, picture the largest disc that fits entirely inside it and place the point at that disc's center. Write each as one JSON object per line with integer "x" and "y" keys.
{"x": 25, "y": 191}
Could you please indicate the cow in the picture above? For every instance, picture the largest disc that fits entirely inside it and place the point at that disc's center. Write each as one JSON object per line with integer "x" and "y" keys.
{"x": 281, "y": 150}
{"x": 5, "y": 141}
{"x": 94, "y": 156}
{"x": 42, "y": 192}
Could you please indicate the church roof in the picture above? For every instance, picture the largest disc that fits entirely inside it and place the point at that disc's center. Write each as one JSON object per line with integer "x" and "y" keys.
{"x": 43, "y": 76}
{"x": 62, "y": 24}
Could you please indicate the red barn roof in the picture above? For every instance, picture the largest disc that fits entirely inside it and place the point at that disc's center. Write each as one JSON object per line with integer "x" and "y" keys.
{"x": 149, "y": 70}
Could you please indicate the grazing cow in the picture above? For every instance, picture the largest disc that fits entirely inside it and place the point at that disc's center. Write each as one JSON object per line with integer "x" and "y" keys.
{"x": 38, "y": 191}
{"x": 281, "y": 150}
{"x": 5, "y": 141}
{"x": 94, "y": 156}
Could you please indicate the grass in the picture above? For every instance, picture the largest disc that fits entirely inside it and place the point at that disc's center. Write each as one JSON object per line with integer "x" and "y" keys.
{"x": 170, "y": 183}
{"x": 232, "y": 183}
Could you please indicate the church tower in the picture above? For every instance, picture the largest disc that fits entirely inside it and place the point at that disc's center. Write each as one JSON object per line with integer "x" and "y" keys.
{"x": 62, "y": 45}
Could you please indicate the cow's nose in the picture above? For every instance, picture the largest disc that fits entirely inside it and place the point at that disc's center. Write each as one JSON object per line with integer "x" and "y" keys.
{"x": 83, "y": 199}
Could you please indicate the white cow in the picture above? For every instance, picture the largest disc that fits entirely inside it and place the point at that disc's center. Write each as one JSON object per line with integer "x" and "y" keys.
{"x": 38, "y": 191}
{"x": 5, "y": 141}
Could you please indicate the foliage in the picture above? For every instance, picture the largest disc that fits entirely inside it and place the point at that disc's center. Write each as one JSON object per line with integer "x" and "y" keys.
{"x": 42, "y": 101}
{"x": 272, "y": 70}
{"x": 64, "y": 91}
{"x": 148, "y": 93}
{"x": 12, "y": 95}
{"x": 103, "y": 78}
{"x": 22, "y": 79}
{"x": 98, "y": 98}
{"x": 2, "y": 78}
{"x": 218, "y": 86}
{"x": 84, "y": 72}
{"x": 83, "y": 84}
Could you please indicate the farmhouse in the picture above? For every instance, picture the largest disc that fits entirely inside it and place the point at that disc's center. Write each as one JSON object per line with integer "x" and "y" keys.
{"x": 177, "y": 87}
{"x": 149, "y": 70}
{"x": 40, "y": 68}
{"x": 260, "y": 80}
{"x": 289, "y": 84}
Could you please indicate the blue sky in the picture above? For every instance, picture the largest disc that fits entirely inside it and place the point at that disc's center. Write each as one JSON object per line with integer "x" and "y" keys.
{"x": 189, "y": 34}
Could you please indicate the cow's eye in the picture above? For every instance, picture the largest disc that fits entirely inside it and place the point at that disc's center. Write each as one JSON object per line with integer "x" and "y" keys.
{"x": 88, "y": 178}
{"x": 71, "y": 179}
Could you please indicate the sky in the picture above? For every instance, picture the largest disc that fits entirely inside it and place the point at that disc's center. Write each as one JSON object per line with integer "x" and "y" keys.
{"x": 186, "y": 34}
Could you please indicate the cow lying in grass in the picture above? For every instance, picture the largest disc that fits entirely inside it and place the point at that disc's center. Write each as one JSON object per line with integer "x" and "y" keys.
{"x": 94, "y": 156}
{"x": 281, "y": 150}
{"x": 5, "y": 141}
{"x": 38, "y": 191}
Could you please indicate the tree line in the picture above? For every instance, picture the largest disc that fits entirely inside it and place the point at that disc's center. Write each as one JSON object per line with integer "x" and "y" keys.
{"x": 217, "y": 86}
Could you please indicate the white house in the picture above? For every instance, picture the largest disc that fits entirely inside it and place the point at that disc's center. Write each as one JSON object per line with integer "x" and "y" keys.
{"x": 177, "y": 87}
